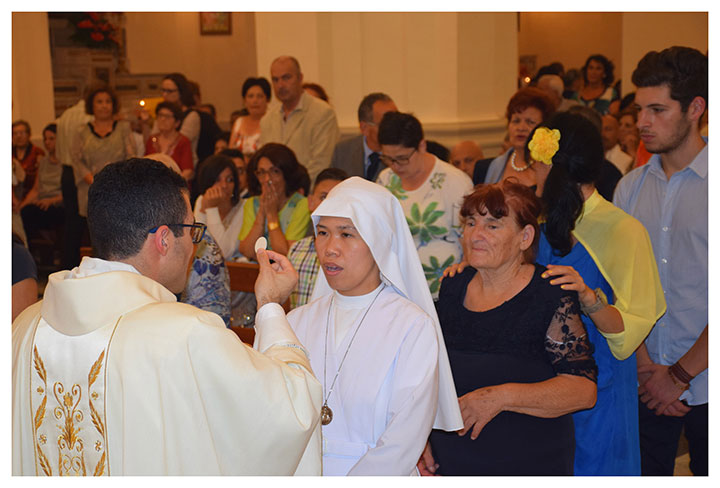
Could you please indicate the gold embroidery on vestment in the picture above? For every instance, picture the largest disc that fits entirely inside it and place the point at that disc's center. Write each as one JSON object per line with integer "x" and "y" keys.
{"x": 70, "y": 445}
{"x": 68, "y": 410}
{"x": 92, "y": 376}
{"x": 40, "y": 413}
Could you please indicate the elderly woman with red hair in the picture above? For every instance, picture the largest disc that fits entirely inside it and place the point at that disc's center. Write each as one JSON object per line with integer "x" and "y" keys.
{"x": 519, "y": 352}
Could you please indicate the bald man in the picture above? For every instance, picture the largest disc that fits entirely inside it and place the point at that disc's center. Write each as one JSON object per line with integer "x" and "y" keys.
{"x": 553, "y": 85}
{"x": 611, "y": 144}
{"x": 464, "y": 155}
{"x": 305, "y": 124}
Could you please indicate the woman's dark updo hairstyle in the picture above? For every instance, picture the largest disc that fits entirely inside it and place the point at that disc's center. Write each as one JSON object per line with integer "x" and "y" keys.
{"x": 211, "y": 169}
{"x": 609, "y": 67}
{"x": 261, "y": 82}
{"x": 284, "y": 159}
{"x": 184, "y": 89}
{"x": 578, "y": 161}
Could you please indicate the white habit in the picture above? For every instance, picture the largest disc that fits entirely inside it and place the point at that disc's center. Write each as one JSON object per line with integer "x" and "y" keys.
{"x": 385, "y": 398}
{"x": 396, "y": 384}
{"x": 112, "y": 376}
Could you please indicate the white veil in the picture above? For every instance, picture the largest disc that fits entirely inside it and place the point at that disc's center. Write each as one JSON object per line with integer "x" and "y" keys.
{"x": 379, "y": 218}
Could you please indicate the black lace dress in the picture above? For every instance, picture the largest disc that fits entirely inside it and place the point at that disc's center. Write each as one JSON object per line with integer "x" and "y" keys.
{"x": 532, "y": 337}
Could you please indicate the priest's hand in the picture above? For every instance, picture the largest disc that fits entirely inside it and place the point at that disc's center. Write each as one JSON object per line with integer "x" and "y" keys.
{"x": 276, "y": 280}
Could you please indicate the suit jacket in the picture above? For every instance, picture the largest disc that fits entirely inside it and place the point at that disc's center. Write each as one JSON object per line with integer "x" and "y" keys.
{"x": 349, "y": 156}
{"x": 311, "y": 132}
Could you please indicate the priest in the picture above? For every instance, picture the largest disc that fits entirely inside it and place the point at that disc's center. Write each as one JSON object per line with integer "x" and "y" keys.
{"x": 112, "y": 376}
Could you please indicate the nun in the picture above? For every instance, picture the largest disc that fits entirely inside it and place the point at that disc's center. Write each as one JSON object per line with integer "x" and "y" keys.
{"x": 373, "y": 337}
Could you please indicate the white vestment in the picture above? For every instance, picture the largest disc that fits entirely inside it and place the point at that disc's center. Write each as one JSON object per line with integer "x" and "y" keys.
{"x": 112, "y": 376}
{"x": 385, "y": 398}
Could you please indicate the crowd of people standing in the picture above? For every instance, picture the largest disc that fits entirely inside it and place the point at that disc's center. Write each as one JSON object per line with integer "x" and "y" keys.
{"x": 542, "y": 312}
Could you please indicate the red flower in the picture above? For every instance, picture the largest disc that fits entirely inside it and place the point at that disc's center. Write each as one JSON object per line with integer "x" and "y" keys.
{"x": 105, "y": 27}
{"x": 96, "y": 36}
{"x": 85, "y": 24}
{"x": 94, "y": 15}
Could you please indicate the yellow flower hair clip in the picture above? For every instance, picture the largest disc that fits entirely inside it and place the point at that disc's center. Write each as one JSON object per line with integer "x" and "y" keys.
{"x": 544, "y": 144}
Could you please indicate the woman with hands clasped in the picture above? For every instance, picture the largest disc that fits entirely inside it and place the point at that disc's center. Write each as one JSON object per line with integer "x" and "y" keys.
{"x": 219, "y": 206}
{"x": 519, "y": 353}
{"x": 277, "y": 211}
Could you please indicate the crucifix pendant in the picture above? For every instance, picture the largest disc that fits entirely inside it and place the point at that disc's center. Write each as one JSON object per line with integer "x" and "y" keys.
{"x": 326, "y": 415}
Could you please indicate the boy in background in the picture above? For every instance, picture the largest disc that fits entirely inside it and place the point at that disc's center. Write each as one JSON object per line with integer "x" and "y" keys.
{"x": 302, "y": 254}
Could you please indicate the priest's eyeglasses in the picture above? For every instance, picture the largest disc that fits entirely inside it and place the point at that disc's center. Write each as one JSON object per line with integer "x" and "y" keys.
{"x": 400, "y": 160}
{"x": 197, "y": 230}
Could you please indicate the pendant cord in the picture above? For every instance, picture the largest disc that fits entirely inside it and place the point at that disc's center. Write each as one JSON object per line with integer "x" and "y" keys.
{"x": 327, "y": 327}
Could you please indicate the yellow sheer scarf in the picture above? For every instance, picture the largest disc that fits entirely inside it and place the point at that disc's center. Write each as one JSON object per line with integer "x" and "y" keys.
{"x": 621, "y": 249}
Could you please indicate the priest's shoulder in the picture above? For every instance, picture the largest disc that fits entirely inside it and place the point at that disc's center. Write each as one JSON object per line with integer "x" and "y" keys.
{"x": 180, "y": 317}
{"x": 26, "y": 318}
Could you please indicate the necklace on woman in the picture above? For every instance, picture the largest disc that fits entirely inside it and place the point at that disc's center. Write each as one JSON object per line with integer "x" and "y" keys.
{"x": 326, "y": 414}
{"x": 516, "y": 168}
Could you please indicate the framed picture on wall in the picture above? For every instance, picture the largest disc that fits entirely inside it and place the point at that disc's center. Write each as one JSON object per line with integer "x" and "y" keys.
{"x": 215, "y": 23}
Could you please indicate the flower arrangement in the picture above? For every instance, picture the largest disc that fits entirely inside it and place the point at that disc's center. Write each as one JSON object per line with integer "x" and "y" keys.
{"x": 544, "y": 144}
{"x": 95, "y": 30}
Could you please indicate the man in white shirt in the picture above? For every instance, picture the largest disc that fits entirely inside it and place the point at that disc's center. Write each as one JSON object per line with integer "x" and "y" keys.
{"x": 305, "y": 124}
{"x": 611, "y": 144}
{"x": 112, "y": 376}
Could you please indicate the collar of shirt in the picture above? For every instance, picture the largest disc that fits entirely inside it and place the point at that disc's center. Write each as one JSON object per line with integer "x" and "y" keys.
{"x": 699, "y": 164}
{"x": 300, "y": 107}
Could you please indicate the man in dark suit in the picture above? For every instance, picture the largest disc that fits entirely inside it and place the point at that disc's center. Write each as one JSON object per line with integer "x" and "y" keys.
{"x": 360, "y": 155}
